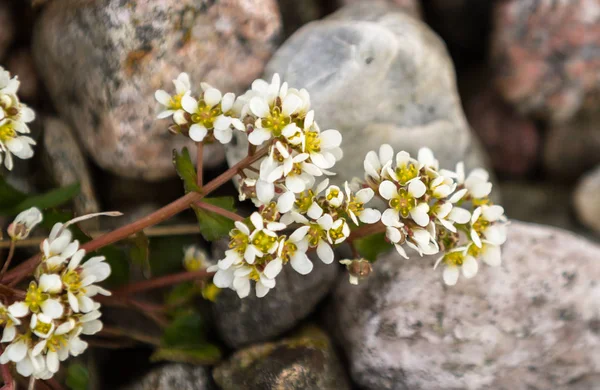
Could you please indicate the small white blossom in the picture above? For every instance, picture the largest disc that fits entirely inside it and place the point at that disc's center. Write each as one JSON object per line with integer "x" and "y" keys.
{"x": 404, "y": 201}
{"x": 455, "y": 261}
{"x": 20, "y": 228}
{"x": 355, "y": 205}
{"x": 173, "y": 103}
{"x": 486, "y": 223}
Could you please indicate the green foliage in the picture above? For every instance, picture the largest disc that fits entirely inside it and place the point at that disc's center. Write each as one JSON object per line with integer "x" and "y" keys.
{"x": 140, "y": 252}
{"x": 214, "y": 226}
{"x": 78, "y": 377}
{"x": 116, "y": 257}
{"x": 182, "y": 294}
{"x": 166, "y": 253}
{"x": 13, "y": 201}
{"x": 184, "y": 340}
{"x": 185, "y": 169}
{"x": 371, "y": 246}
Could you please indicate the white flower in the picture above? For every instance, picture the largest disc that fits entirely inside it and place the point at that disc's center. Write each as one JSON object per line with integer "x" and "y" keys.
{"x": 37, "y": 300}
{"x": 211, "y": 114}
{"x": 486, "y": 223}
{"x": 355, "y": 205}
{"x": 397, "y": 236}
{"x": 423, "y": 241}
{"x": 455, "y": 261}
{"x": 338, "y": 232}
{"x": 9, "y": 323}
{"x": 58, "y": 247}
{"x": 20, "y": 228}
{"x": 41, "y": 325}
{"x": 293, "y": 249}
{"x": 195, "y": 258}
{"x": 323, "y": 147}
{"x": 12, "y": 143}
{"x": 306, "y": 204}
{"x": 426, "y": 159}
{"x": 78, "y": 280}
{"x": 477, "y": 183}
{"x": 173, "y": 103}
{"x": 404, "y": 202}
{"x": 374, "y": 162}
{"x": 318, "y": 236}
{"x": 334, "y": 196}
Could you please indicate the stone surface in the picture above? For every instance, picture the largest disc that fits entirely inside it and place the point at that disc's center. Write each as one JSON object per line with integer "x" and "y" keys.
{"x": 175, "y": 376}
{"x": 587, "y": 200}
{"x": 545, "y": 55}
{"x": 67, "y": 165}
{"x": 379, "y": 76}
{"x": 571, "y": 148}
{"x": 102, "y": 61}
{"x": 250, "y": 320}
{"x": 413, "y": 7}
{"x": 533, "y": 323}
{"x": 21, "y": 64}
{"x": 7, "y": 32}
{"x": 511, "y": 140}
{"x": 304, "y": 362}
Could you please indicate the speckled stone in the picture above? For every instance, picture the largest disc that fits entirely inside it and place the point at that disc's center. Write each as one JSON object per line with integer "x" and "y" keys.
{"x": 546, "y": 55}
{"x": 378, "y": 75}
{"x": 304, "y": 362}
{"x": 67, "y": 165}
{"x": 587, "y": 200}
{"x": 102, "y": 61}
{"x": 175, "y": 377}
{"x": 573, "y": 147}
{"x": 533, "y": 323}
{"x": 250, "y": 320}
{"x": 412, "y": 7}
{"x": 7, "y": 32}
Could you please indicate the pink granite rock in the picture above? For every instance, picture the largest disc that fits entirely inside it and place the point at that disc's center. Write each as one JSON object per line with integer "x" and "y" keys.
{"x": 546, "y": 55}
{"x": 102, "y": 61}
{"x": 533, "y": 323}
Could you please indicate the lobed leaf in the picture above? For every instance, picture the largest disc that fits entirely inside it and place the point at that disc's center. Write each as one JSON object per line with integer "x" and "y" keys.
{"x": 212, "y": 225}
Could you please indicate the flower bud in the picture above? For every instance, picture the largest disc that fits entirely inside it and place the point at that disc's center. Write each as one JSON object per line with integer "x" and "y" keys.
{"x": 357, "y": 269}
{"x": 195, "y": 259}
{"x": 23, "y": 223}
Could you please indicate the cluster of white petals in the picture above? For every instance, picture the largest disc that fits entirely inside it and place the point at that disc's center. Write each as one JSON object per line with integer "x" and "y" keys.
{"x": 44, "y": 328}
{"x": 432, "y": 210}
{"x": 14, "y": 117}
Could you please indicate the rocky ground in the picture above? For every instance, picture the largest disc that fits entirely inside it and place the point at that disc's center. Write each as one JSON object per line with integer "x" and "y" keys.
{"x": 509, "y": 85}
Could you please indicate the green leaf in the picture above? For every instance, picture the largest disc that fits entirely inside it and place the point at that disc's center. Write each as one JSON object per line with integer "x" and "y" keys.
{"x": 371, "y": 246}
{"x": 166, "y": 253}
{"x": 77, "y": 377}
{"x": 13, "y": 201}
{"x": 181, "y": 294}
{"x": 185, "y": 169}
{"x": 214, "y": 226}
{"x": 187, "y": 329}
{"x": 207, "y": 354}
{"x": 140, "y": 252}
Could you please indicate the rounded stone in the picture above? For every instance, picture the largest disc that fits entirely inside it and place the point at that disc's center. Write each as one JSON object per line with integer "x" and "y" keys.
{"x": 102, "y": 62}
{"x": 587, "y": 200}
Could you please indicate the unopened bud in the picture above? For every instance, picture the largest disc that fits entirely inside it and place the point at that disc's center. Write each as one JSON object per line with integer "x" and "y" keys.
{"x": 357, "y": 269}
{"x": 23, "y": 223}
{"x": 195, "y": 259}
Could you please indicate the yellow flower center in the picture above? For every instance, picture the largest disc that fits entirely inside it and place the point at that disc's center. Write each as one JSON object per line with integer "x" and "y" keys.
{"x": 454, "y": 258}
{"x": 56, "y": 342}
{"x": 406, "y": 172}
{"x": 289, "y": 249}
{"x": 404, "y": 202}
{"x": 315, "y": 234}
{"x": 481, "y": 224}
{"x": 337, "y": 233}
{"x": 239, "y": 241}
{"x": 304, "y": 201}
{"x": 356, "y": 206}
{"x": 206, "y": 115}
{"x": 276, "y": 121}
{"x": 474, "y": 250}
{"x": 7, "y": 133}
{"x": 175, "y": 102}
{"x": 42, "y": 327}
{"x": 71, "y": 280}
{"x": 312, "y": 142}
{"x": 263, "y": 241}
{"x": 333, "y": 194}
{"x": 35, "y": 297}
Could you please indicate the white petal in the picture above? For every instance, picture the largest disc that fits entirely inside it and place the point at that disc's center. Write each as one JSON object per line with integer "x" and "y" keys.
{"x": 290, "y": 104}
{"x": 223, "y": 279}
{"x": 258, "y": 136}
{"x": 17, "y": 351}
{"x": 459, "y": 215}
{"x": 242, "y": 287}
{"x": 286, "y": 202}
{"x": 314, "y": 211}
{"x": 401, "y": 251}
{"x": 52, "y": 308}
{"x": 496, "y": 234}
{"x": 416, "y": 188}
{"x": 295, "y": 184}
{"x": 273, "y": 268}
{"x": 492, "y": 213}
{"x": 386, "y": 153}
{"x": 162, "y": 97}
{"x": 212, "y": 97}
{"x": 73, "y": 302}
{"x": 325, "y": 221}
{"x": 261, "y": 290}
{"x": 330, "y": 139}
{"x": 259, "y": 107}
{"x": 450, "y": 275}
{"x": 52, "y": 362}
{"x": 92, "y": 327}
{"x": 469, "y": 267}
{"x": 492, "y": 255}
{"x": 18, "y": 309}
{"x": 301, "y": 264}
{"x": 50, "y": 283}
{"x": 227, "y": 102}
{"x": 388, "y": 190}
{"x": 369, "y": 216}
{"x": 222, "y": 122}
{"x": 189, "y": 104}
{"x": 325, "y": 252}
{"x": 265, "y": 191}
{"x": 390, "y": 217}
{"x": 9, "y": 334}
{"x": 224, "y": 136}
{"x": 419, "y": 215}
{"x": 475, "y": 238}
{"x": 197, "y": 132}
{"x": 365, "y": 195}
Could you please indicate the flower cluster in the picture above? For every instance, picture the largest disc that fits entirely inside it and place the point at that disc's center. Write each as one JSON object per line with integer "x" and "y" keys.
{"x": 432, "y": 210}
{"x": 14, "y": 117}
{"x": 45, "y": 327}
{"x": 428, "y": 209}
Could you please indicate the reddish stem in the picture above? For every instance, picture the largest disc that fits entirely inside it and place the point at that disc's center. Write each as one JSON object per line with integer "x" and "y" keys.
{"x": 199, "y": 163}
{"x": 11, "y": 252}
{"x": 218, "y": 210}
{"x": 162, "y": 281}
{"x": 20, "y": 272}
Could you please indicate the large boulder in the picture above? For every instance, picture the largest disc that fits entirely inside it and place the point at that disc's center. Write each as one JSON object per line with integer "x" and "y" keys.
{"x": 244, "y": 321}
{"x": 102, "y": 61}
{"x": 544, "y": 55}
{"x": 587, "y": 200}
{"x": 379, "y": 76}
{"x": 533, "y": 323}
{"x": 175, "y": 376}
{"x": 305, "y": 362}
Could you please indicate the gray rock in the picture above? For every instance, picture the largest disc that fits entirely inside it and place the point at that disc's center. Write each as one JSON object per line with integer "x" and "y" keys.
{"x": 67, "y": 165}
{"x": 102, "y": 62}
{"x": 7, "y": 32}
{"x": 571, "y": 148}
{"x": 20, "y": 63}
{"x": 533, "y": 323}
{"x": 587, "y": 200}
{"x": 379, "y": 76}
{"x": 304, "y": 362}
{"x": 175, "y": 377}
{"x": 413, "y": 7}
{"x": 250, "y": 320}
